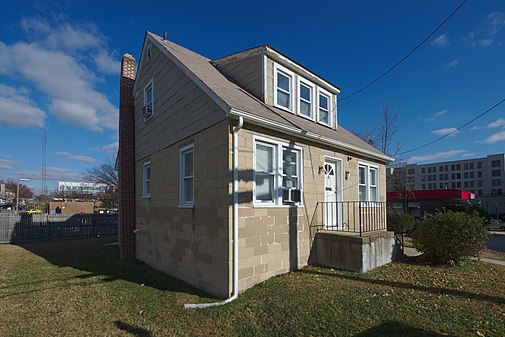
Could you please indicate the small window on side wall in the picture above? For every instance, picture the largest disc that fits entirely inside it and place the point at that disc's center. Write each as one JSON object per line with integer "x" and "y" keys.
{"x": 368, "y": 189}
{"x": 148, "y": 108}
{"x": 187, "y": 178}
{"x": 146, "y": 179}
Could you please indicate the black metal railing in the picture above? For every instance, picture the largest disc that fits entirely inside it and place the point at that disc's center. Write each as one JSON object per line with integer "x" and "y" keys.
{"x": 350, "y": 216}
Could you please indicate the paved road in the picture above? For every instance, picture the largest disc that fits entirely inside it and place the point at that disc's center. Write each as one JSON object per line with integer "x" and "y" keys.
{"x": 497, "y": 241}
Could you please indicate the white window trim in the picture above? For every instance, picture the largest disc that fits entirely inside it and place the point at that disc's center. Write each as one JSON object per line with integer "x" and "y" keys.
{"x": 291, "y": 75}
{"x": 323, "y": 92}
{"x": 144, "y": 180}
{"x": 182, "y": 202}
{"x": 278, "y": 147}
{"x": 368, "y": 166}
{"x": 149, "y": 84}
{"x": 312, "y": 87}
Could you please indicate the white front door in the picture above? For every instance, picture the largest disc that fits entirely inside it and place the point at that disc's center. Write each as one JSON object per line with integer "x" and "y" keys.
{"x": 332, "y": 207}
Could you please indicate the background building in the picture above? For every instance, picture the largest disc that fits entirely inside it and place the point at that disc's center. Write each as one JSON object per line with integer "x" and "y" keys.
{"x": 70, "y": 187}
{"x": 485, "y": 177}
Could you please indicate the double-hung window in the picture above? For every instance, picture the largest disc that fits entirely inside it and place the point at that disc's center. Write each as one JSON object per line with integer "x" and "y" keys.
{"x": 187, "y": 177}
{"x": 276, "y": 167}
{"x": 283, "y": 88}
{"x": 368, "y": 186}
{"x": 305, "y": 100}
{"x": 324, "y": 108}
{"x": 148, "y": 109}
{"x": 146, "y": 179}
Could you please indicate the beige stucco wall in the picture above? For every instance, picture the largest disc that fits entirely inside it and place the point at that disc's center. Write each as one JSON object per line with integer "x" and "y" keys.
{"x": 189, "y": 243}
{"x": 275, "y": 240}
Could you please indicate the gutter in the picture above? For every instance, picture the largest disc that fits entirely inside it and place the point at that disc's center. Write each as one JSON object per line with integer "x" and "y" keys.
{"x": 307, "y": 135}
{"x": 234, "y": 295}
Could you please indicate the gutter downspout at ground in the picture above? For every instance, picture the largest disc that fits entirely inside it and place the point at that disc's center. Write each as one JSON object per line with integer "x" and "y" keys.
{"x": 235, "y": 224}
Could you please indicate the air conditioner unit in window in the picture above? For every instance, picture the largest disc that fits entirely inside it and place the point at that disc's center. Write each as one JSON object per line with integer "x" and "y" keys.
{"x": 291, "y": 195}
{"x": 147, "y": 111}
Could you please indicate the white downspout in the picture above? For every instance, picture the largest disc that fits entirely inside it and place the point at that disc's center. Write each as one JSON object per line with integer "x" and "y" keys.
{"x": 235, "y": 224}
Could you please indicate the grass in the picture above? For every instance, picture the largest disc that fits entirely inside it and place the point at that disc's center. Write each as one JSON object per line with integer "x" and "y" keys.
{"x": 81, "y": 288}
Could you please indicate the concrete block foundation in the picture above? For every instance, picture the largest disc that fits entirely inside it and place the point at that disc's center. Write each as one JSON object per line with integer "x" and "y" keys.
{"x": 349, "y": 251}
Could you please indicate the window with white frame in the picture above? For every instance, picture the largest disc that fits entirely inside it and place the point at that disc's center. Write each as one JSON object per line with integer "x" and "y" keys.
{"x": 186, "y": 191}
{"x": 283, "y": 91}
{"x": 146, "y": 179}
{"x": 148, "y": 109}
{"x": 368, "y": 189}
{"x": 305, "y": 100}
{"x": 324, "y": 109}
{"x": 276, "y": 167}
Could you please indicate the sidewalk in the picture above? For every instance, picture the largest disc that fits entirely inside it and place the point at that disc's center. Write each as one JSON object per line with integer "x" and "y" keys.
{"x": 409, "y": 251}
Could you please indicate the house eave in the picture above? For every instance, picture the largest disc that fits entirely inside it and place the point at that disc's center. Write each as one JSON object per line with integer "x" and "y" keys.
{"x": 290, "y": 130}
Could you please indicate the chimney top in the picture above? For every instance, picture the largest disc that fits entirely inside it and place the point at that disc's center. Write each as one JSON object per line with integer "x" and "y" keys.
{"x": 165, "y": 36}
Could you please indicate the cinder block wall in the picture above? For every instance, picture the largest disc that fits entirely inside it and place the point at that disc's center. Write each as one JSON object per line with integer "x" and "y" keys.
{"x": 191, "y": 244}
{"x": 276, "y": 240}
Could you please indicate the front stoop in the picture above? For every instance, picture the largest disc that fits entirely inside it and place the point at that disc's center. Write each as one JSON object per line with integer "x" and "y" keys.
{"x": 349, "y": 251}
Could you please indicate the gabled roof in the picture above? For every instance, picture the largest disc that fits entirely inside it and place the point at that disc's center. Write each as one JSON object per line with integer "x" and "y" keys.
{"x": 235, "y": 100}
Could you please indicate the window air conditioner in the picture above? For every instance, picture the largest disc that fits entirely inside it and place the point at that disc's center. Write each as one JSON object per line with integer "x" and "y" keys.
{"x": 147, "y": 111}
{"x": 291, "y": 195}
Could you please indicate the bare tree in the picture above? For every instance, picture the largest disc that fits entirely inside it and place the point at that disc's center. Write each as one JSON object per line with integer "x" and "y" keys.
{"x": 24, "y": 190}
{"x": 106, "y": 174}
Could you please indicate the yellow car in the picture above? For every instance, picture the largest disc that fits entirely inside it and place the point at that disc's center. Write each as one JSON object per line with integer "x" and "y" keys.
{"x": 34, "y": 211}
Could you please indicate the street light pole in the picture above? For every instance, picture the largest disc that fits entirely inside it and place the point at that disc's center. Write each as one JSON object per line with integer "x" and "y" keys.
{"x": 17, "y": 194}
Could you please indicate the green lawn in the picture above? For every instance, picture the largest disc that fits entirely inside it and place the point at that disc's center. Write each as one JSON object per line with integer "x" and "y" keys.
{"x": 81, "y": 288}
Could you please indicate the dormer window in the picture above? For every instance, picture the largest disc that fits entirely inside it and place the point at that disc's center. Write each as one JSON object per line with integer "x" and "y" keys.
{"x": 283, "y": 91}
{"x": 305, "y": 100}
{"x": 324, "y": 109}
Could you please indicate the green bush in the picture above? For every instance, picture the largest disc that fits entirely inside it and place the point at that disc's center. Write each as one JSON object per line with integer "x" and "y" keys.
{"x": 401, "y": 223}
{"x": 450, "y": 236}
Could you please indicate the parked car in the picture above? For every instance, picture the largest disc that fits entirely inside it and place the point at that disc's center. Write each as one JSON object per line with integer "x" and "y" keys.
{"x": 496, "y": 225}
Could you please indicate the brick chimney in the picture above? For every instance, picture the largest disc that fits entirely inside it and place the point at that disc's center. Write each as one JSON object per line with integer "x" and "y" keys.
{"x": 126, "y": 159}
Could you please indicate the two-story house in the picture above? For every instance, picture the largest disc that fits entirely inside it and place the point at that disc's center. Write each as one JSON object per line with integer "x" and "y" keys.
{"x": 233, "y": 170}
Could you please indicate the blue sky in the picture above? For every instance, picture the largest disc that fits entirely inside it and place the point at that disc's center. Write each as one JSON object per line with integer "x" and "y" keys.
{"x": 59, "y": 65}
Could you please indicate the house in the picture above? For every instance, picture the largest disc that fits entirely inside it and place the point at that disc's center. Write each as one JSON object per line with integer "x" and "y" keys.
{"x": 234, "y": 170}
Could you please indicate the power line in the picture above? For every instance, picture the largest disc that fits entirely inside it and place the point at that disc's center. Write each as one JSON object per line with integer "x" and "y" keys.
{"x": 453, "y": 131}
{"x": 406, "y": 57}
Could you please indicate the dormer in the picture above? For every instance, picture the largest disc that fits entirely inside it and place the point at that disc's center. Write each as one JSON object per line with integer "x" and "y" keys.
{"x": 282, "y": 83}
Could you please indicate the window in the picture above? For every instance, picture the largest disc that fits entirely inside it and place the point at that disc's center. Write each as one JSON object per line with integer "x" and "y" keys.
{"x": 465, "y": 166}
{"x": 479, "y": 174}
{"x": 424, "y": 187}
{"x": 434, "y": 177}
{"x": 148, "y": 53}
{"x": 305, "y": 100}
{"x": 458, "y": 184}
{"x": 479, "y": 183}
{"x": 495, "y": 173}
{"x": 465, "y": 175}
{"x": 423, "y": 170}
{"x": 283, "y": 84}
{"x": 453, "y": 185}
{"x": 434, "y": 169}
{"x": 458, "y": 167}
{"x": 146, "y": 179}
{"x": 472, "y": 175}
{"x": 465, "y": 184}
{"x": 440, "y": 177}
{"x": 148, "y": 109}
{"x": 472, "y": 183}
{"x": 429, "y": 169}
{"x": 458, "y": 175}
{"x": 441, "y": 185}
{"x": 324, "y": 109}
{"x": 453, "y": 167}
{"x": 495, "y": 163}
{"x": 446, "y": 168}
{"x": 368, "y": 183}
{"x": 471, "y": 166}
{"x": 277, "y": 166}
{"x": 429, "y": 178}
{"x": 479, "y": 165}
{"x": 187, "y": 177}
{"x": 411, "y": 171}
{"x": 453, "y": 175}
{"x": 496, "y": 182}
{"x": 479, "y": 192}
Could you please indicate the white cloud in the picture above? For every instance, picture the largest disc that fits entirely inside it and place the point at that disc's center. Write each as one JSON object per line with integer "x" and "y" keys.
{"x": 500, "y": 122}
{"x": 17, "y": 110}
{"x": 440, "y": 113}
{"x": 441, "y": 41}
{"x": 112, "y": 147}
{"x": 497, "y": 137}
{"x": 453, "y": 63}
{"x": 469, "y": 154}
{"x": 54, "y": 174}
{"x": 474, "y": 128}
{"x": 76, "y": 157}
{"x": 446, "y": 131}
{"x": 59, "y": 64}
{"x": 485, "y": 42}
{"x": 437, "y": 156}
{"x": 7, "y": 164}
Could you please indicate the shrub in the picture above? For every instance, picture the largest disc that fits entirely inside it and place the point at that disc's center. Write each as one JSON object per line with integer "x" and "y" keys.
{"x": 450, "y": 236}
{"x": 401, "y": 223}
